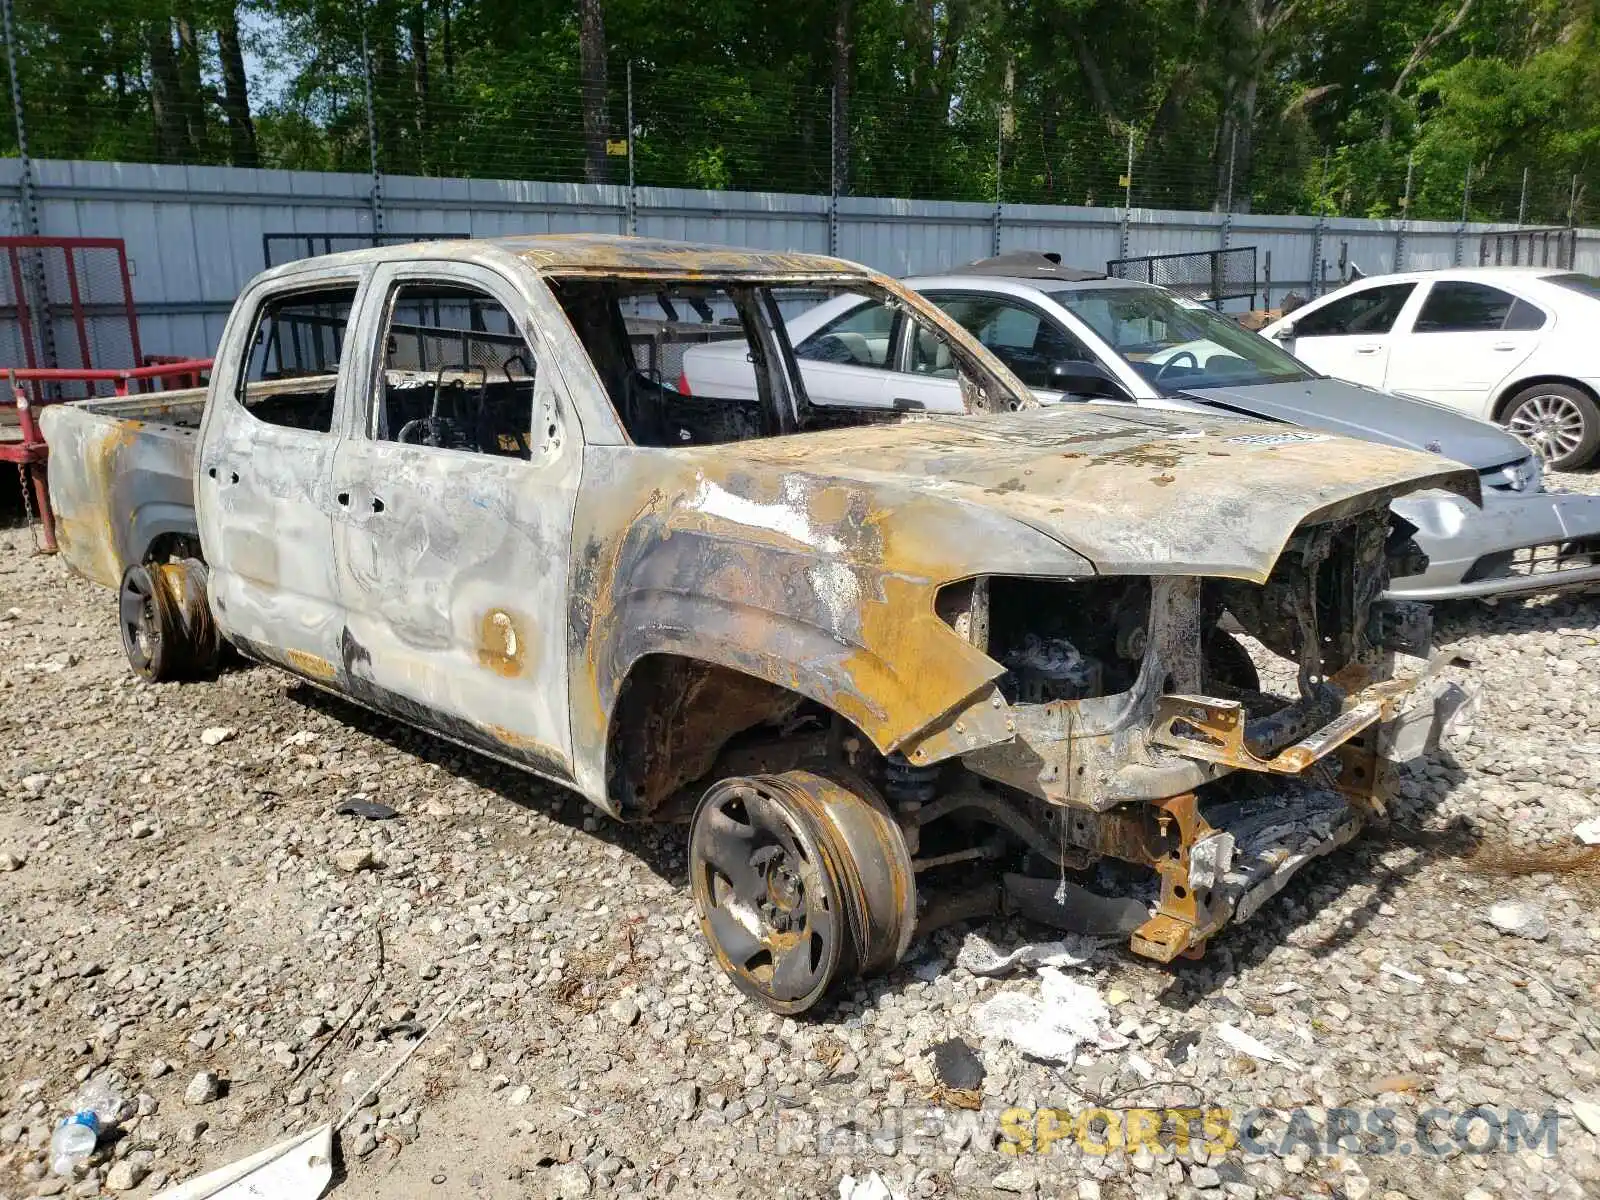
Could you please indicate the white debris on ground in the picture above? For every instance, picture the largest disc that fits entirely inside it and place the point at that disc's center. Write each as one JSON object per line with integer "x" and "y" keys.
{"x": 176, "y": 908}
{"x": 979, "y": 955}
{"x": 869, "y": 1187}
{"x": 1052, "y": 1025}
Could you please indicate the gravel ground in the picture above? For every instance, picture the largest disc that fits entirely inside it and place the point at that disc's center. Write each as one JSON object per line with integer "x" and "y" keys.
{"x": 178, "y": 897}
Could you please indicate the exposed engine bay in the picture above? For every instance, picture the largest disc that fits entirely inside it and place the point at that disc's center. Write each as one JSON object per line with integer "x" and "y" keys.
{"x": 1145, "y": 782}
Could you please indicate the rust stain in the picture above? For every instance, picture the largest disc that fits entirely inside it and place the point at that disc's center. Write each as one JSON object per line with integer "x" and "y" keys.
{"x": 310, "y": 664}
{"x": 501, "y": 644}
{"x": 521, "y": 741}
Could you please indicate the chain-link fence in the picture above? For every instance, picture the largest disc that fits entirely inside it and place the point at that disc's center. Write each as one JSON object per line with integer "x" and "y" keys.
{"x": 372, "y": 100}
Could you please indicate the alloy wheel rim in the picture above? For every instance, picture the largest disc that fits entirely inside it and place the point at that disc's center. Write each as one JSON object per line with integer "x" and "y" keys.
{"x": 766, "y": 896}
{"x": 137, "y": 610}
{"x": 1551, "y": 424}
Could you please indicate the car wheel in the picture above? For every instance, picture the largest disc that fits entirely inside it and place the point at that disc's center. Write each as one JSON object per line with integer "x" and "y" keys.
{"x": 799, "y": 881}
{"x": 166, "y": 626}
{"x": 1559, "y": 421}
{"x": 149, "y": 625}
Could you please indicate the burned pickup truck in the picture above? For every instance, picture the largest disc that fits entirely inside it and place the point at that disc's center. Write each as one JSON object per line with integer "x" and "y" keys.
{"x": 902, "y": 669}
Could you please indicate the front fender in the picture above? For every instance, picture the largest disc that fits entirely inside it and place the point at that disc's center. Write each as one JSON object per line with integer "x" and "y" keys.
{"x": 857, "y": 639}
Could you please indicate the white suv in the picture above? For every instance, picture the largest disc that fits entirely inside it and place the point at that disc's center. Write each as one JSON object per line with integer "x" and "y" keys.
{"x": 1510, "y": 344}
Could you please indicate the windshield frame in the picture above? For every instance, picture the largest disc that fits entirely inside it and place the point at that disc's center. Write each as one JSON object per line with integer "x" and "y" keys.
{"x": 1233, "y": 337}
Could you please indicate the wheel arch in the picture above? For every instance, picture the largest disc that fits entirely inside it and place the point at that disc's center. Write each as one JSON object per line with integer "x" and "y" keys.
{"x": 675, "y": 711}
{"x": 1510, "y": 392}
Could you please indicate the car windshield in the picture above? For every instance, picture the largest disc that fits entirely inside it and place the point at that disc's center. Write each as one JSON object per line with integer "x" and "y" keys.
{"x": 1179, "y": 344}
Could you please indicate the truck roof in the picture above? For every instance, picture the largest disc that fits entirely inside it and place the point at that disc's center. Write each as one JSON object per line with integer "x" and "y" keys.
{"x": 607, "y": 254}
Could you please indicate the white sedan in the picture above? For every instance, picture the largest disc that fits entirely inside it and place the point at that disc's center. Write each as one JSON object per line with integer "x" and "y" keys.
{"x": 1518, "y": 345}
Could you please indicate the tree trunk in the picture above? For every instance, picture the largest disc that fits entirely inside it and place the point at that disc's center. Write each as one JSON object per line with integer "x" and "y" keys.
{"x": 416, "y": 20}
{"x": 1236, "y": 146}
{"x": 592, "y": 82}
{"x": 236, "y": 94}
{"x": 449, "y": 46}
{"x": 841, "y": 97}
{"x": 166, "y": 104}
{"x": 192, "y": 89}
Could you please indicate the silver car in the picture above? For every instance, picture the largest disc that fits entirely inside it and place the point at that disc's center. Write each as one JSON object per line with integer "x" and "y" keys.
{"x": 1077, "y": 338}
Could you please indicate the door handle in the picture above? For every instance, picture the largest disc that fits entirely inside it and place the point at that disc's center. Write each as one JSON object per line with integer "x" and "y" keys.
{"x": 377, "y": 504}
{"x": 1505, "y": 346}
{"x": 1368, "y": 349}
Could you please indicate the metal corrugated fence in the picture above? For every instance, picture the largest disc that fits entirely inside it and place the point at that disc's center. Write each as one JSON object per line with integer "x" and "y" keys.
{"x": 194, "y": 234}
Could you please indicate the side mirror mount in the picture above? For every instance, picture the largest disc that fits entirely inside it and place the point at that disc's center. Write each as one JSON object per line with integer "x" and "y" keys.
{"x": 1085, "y": 379}
{"x": 1284, "y": 332}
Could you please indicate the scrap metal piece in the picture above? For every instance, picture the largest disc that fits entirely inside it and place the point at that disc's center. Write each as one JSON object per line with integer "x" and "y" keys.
{"x": 1077, "y": 910}
{"x": 298, "y": 1168}
{"x": 1184, "y": 916}
{"x": 1216, "y": 731}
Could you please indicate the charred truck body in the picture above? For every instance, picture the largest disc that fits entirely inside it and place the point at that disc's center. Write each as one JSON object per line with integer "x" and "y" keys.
{"x": 901, "y": 669}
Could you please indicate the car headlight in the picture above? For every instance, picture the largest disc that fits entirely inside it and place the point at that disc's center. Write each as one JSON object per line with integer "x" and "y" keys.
{"x": 1527, "y": 475}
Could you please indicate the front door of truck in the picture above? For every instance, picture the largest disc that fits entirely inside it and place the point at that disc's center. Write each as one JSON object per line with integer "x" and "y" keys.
{"x": 454, "y": 488}
{"x": 262, "y": 494}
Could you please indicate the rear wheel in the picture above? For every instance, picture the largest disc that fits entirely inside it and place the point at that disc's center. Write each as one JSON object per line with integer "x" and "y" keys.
{"x": 148, "y": 624}
{"x": 799, "y": 881}
{"x": 165, "y": 621}
{"x": 1559, "y": 421}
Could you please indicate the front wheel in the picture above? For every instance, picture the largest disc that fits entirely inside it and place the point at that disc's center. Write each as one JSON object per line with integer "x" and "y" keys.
{"x": 799, "y": 881}
{"x": 1561, "y": 422}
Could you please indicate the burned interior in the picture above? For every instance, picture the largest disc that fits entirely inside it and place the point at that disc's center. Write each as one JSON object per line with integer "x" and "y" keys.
{"x": 636, "y": 333}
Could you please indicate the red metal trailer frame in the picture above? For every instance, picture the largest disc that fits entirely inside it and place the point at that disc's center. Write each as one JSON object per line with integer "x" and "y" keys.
{"x": 11, "y": 246}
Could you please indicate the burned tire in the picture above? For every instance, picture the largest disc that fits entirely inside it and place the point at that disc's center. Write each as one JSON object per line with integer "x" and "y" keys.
{"x": 165, "y": 621}
{"x": 799, "y": 881}
{"x": 1562, "y": 423}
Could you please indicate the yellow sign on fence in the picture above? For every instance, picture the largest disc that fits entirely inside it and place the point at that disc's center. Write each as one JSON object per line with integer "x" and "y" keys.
{"x": 617, "y": 149}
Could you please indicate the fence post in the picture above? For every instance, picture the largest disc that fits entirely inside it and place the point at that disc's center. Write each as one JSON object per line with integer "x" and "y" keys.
{"x": 1405, "y": 217}
{"x": 30, "y": 194}
{"x": 1127, "y": 201}
{"x": 1572, "y": 204}
{"x": 633, "y": 197}
{"x": 29, "y": 203}
{"x": 1522, "y": 204}
{"x": 999, "y": 166}
{"x": 833, "y": 171}
{"x": 372, "y": 131}
{"x": 1227, "y": 204}
{"x": 1314, "y": 278}
{"x": 1466, "y": 208}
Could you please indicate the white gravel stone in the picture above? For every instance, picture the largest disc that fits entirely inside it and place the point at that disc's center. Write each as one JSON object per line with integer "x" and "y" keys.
{"x": 215, "y": 735}
{"x": 1520, "y": 918}
{"x": 203, "y": 1088}
{"x": 126, "y": 1175}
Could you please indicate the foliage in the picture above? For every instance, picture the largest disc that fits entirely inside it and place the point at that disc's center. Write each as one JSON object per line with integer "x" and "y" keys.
{"x": 1277, "y": 105}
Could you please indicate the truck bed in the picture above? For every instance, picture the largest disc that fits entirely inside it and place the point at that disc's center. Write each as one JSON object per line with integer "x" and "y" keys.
{"x": 122, "y": 477}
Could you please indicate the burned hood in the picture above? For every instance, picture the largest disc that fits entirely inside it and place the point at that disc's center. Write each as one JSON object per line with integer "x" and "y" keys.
{"x": 1135, "y": 492}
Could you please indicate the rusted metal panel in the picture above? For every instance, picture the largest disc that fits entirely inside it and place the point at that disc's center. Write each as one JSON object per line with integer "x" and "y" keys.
{"x": 116, "y": 485}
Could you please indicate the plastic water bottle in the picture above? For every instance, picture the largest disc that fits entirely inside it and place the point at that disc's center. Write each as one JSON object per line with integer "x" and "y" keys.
{"x": 73, "y": 1141}
{"x": 75, "y": 1138}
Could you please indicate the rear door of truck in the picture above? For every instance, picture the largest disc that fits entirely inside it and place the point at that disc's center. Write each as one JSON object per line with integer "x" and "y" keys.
{"x": 454, "y": 487}
{"x": 263, "y": 487}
